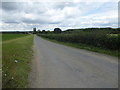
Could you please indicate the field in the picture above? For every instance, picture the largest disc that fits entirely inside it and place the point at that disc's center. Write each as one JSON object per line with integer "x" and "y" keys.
{"x": 16, "y": 55}
{"x": 0, "y": 61}
{"x": 103, "y": 41}
{"x": 11, "y": 36}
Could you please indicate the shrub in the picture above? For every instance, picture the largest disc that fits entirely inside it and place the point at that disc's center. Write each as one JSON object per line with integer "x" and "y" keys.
{"x": 93, "y": 38}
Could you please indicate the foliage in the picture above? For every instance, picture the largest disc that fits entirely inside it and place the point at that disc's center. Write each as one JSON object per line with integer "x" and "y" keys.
{"x": 97, "y": 38}
{"x": 34, "y": 31}
{"x": 57, "y": 30}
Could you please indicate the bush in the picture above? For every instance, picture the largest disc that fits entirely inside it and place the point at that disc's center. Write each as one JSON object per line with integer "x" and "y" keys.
{"x": 97, "y": 39}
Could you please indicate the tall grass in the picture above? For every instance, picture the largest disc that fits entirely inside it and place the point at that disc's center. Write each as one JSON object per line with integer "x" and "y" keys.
{"x": 101, "y": 39}
{"x": 98, "y": 40}
{"x": 16, "y": 56}
{"x": 0, "y": 61}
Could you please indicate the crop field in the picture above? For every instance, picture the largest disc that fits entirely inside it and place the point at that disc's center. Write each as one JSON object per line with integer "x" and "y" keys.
{"x": 12, "y": 36}
{"x": 102, "y": 41}
{"x": 0, "y": 61}
{"x": 16, "y": 55}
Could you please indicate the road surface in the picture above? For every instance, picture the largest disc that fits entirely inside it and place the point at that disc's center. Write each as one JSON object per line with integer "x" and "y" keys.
{"x": 59, "y": 66}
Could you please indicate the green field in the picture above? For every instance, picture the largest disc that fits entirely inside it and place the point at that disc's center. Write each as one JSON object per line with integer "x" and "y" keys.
{"x": 12, "y": 36}
{"x": 0, "y": 61}
{"x": 16, "y": 57}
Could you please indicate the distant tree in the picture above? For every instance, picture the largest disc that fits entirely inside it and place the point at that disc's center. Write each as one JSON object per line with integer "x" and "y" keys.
{"x": 57, "y": 30}
{"x": 43, "y": 31}
{"x": 38, "y": 31}
{"x": 34, "y": 30}
{"x": 17, "y": 32}
{"x": 48, "y": 31}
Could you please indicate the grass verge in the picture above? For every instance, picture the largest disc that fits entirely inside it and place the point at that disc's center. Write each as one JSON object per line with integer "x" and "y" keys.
{"x": 0, "y": 61}
{"x": 86, "y": 47}
{"x": 16, "y": 56}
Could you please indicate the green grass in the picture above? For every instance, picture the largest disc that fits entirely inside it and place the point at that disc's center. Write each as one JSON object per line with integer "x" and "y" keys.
{"x": 12, "y": 36}
{"x": 0, "y": 60}
{"x": 87, "y": 47}
{"x": 113, "y": 35}
{"x": 16, "y": 47}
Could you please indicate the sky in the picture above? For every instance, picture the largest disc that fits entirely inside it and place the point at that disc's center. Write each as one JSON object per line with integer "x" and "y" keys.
{"x": 46, "y": 15}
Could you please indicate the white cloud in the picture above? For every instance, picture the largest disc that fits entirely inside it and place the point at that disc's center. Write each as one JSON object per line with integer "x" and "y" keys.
{"x": 44, "y": 15}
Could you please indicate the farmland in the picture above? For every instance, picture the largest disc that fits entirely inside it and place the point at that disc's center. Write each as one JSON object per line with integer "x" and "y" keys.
{"x": 103, "y": 41}
{"x": 12, "y": 36}
{"x": 16, "y": 55}
{"x": 0, "y": 61}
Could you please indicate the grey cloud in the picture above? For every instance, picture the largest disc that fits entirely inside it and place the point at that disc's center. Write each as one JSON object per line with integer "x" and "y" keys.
{"x": 9, "y": 6}
{"x": 54, "y": 22}
{"x": 62, "y": 5}
{"x": 12, "y": 22}
{"x": 40, "y": 20}
{"x": 30, "y": 21}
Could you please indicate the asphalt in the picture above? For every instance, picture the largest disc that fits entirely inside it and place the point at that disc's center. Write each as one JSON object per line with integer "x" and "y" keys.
{"x": 59, "y": 66}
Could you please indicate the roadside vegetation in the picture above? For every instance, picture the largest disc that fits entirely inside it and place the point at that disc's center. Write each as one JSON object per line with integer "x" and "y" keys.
{"x": 16, "y": 57}
{"x": 0, "y": 61}
{"x": 102, "y": 40}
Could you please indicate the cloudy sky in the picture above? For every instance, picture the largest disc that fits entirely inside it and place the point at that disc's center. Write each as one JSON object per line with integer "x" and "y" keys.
{"x": 65, "y": 15}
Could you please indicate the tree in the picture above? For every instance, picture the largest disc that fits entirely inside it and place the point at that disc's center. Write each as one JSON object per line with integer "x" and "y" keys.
{"x": 39, "y": 31}
{"x": 34, "y": 30}
{"x": 43, "y": 31}
{"x": 57, "y": 30}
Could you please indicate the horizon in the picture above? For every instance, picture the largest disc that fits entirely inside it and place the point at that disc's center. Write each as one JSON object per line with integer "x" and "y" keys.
{"x": 50, "y": 30}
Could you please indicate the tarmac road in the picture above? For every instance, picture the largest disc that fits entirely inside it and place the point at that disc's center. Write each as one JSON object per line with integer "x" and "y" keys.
{"x": 59, "y": 66}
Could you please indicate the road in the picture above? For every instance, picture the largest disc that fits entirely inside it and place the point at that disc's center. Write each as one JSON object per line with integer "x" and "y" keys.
{"x": 59, "y": 66}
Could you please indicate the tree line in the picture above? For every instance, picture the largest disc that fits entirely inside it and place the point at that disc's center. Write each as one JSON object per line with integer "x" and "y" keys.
{"x": 58, "y": 30}
{"x": 106, "y": 38}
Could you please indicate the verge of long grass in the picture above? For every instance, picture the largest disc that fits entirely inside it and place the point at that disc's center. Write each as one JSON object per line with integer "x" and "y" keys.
{"x": 86, "y": 47}
{"x": 0, "y": 61}
{"x": 16, "y": 57}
